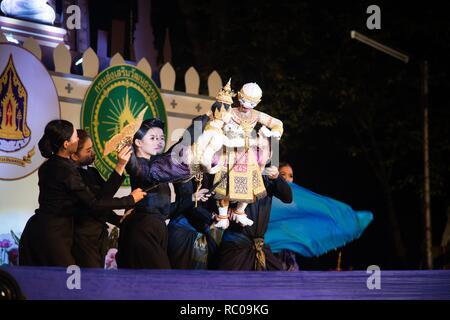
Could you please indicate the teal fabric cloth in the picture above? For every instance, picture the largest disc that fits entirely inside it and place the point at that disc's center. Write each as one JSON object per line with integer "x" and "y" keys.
{"x": 313, "y": 224}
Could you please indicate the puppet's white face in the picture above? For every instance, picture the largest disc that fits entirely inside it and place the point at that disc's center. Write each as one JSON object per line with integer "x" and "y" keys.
{"x": 153, "y": 142}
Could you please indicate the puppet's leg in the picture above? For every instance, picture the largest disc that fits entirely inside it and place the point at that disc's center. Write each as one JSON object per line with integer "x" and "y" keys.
{"x": 222, "y": 218}
{"x": 239, "y": 215}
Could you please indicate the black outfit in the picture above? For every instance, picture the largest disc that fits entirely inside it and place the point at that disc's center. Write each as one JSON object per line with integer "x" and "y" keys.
{"x": 243, "y": 248}
{"x": 193, "y": 244}
{"x": 90, "y": 230}
{"x": 47, "y": 239}
{"x": 143, "y": 235}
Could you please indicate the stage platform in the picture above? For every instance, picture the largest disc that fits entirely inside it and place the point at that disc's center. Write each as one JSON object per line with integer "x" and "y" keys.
{"x": 51, "y": 283}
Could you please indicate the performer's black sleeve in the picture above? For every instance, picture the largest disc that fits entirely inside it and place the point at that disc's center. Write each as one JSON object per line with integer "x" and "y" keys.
{"x": 182, "y": 204}
{"x": 75, "y": 185}
{"x": 110, "y": 186}
{"x": 183, "y": 199}
{"x": 201, "y": 217}
{"x": 107, "y": 191}
{"x": 157, "y": 170}
{"x": 280, "y": 189}
{"x": 183, "y": 188}
{"x": 140, "y": 168}
{"x": 113, "y": 218}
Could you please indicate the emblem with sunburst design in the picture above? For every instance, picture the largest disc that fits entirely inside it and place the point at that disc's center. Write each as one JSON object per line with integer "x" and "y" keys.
{"x": 114, "y": 100}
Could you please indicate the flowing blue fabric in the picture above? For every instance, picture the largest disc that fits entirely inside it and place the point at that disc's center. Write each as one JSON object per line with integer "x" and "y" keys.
{"x": 313, "y": 224}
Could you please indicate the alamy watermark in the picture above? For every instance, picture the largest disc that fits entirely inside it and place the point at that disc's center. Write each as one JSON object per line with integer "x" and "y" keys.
{"x": 374, "y": 280}
{"x": 74, "y": 17}
{"x": 374, "y": 20}
{"x": 74, "y": 280}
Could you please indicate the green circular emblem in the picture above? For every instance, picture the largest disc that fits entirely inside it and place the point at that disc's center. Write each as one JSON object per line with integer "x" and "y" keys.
{"x": 115, "y": 99}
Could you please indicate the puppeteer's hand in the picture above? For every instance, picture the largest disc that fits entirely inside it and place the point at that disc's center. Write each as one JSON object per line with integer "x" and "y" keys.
{"x": 202, "y": 195}
{"x": 138, "y": 195}
{"x": 123, "y": 156}
{"x": 272, "y": 172}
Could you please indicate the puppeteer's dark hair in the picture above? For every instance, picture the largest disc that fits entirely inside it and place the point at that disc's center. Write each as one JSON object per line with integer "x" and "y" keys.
{"x": 55, "y": 133}
{"x": 284, "y": 164}
{"x": 83, "y": 136}
{"x": 147, "y": 125}
{"x": 132, "y": 165}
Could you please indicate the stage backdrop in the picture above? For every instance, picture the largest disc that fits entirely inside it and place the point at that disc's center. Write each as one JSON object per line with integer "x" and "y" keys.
{"x": 42, "y": 95}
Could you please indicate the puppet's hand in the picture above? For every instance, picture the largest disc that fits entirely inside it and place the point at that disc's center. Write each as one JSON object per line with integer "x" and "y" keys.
{"x": 276, "y": 135}
{"x": 222, "y": 221}
{"x": 215, "y": 169}
{"x": 265, "y": 132}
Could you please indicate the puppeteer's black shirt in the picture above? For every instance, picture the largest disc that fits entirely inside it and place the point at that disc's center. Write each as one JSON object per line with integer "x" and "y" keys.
{"x": 143, "y": 235}
{"x": 237, "y": 250}
{"x": 48, "y": 236}
{"x": 90, "y": 243}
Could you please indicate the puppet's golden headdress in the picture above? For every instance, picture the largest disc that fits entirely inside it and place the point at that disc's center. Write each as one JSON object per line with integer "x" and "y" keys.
{"x": 125, "y": 136}
{"x": 225, "y": 96}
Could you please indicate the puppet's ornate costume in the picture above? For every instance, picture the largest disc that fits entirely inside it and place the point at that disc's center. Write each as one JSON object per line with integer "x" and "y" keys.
{"x": 244, "y": 181}
{"x": 238, "y": 178}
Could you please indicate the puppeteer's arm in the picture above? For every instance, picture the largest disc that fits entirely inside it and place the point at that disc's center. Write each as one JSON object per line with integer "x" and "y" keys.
{"x": 280, "y": 188}
{"x": 76, "y": 186}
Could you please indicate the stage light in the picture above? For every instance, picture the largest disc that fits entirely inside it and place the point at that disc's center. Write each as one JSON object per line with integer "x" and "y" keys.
{"x": 79, "y": 61}
{"x": 9, "y": 288}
